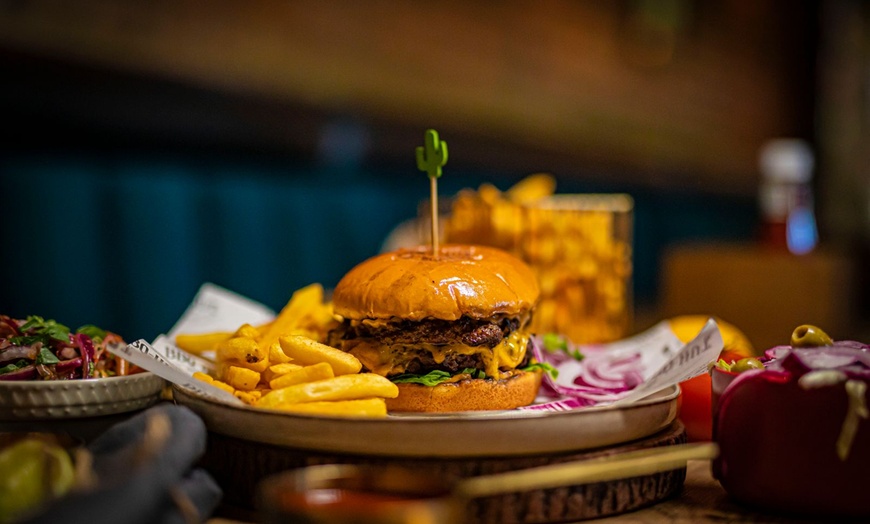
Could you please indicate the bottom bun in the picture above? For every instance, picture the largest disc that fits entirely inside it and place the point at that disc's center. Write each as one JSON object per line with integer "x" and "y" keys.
{"x": 515, "y": 391}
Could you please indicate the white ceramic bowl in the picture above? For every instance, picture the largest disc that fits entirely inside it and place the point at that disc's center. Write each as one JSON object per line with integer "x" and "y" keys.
{"x": 66, "y": 399}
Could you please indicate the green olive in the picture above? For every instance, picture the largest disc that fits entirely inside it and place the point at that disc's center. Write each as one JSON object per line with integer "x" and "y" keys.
{"x": 809, "y": 336}
{"x": 33, "y": 472}
{"x": 745, "y": 364}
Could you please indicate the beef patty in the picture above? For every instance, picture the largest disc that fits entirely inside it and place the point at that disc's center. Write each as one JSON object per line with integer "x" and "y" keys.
{"x": 409, "y": 334}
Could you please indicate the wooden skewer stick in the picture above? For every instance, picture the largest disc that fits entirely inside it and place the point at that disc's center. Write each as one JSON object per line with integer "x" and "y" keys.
{"x": 431, "y": 157}
{"x": 433, "y": 197}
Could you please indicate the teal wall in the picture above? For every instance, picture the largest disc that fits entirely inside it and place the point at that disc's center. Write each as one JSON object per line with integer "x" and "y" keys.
{"x": 125, "y": 240}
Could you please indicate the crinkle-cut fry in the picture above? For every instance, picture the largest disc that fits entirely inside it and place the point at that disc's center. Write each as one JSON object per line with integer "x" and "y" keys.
{"x": 276, "y": 370}
{"x": 242, "y": 378}
{"x": 319, "y": 371}
{"x": 368, "y": 407}
{"x": 201, "y": 342}
{"x": 344, "y": 387}
{"x": 302, "y": 301}
{"x": 305, "y": 351}
{"x": 244, "y": 352}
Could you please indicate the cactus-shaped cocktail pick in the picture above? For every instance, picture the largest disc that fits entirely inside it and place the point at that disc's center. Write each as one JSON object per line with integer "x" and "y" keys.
{"x": 430, "y": 158}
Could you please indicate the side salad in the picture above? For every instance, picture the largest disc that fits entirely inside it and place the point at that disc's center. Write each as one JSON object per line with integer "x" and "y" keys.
{"x": 40, "y": 349}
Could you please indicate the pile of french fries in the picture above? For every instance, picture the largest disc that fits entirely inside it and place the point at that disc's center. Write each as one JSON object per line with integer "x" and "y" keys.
{"x": 285, "y": 365}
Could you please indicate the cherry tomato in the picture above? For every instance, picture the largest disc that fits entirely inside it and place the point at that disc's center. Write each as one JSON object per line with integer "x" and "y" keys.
{"x": 696, "y": 404}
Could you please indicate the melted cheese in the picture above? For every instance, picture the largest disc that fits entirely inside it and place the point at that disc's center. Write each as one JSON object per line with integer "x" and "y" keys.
{"x": 392, "y": 360}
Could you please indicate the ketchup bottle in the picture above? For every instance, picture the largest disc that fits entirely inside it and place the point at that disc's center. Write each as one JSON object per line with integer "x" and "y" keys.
{"x": 786, "y": 196}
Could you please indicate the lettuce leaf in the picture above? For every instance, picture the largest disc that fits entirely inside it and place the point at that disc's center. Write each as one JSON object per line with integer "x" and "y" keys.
{"x": 435, "y": 377}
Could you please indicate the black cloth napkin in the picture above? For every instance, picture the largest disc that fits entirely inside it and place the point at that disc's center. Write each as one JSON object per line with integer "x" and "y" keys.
{"x": 145, "y": 472}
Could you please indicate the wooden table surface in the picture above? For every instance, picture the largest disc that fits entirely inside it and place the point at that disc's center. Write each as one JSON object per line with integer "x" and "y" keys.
{"x": 702, "y": 500}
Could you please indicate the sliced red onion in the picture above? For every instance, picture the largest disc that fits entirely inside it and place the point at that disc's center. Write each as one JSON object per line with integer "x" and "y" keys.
{"x": 86, "y": 349}
{"x": 68, "y": 352}
{"x": 567, "y": 404}
{"x": 853, "y": 344}
{"x": 25, "y": 373}
{"x": 851, "y": 359}
{"x": 777, "y": 352}
{"x": 600, "y": 377}
{"x": 18, "y": 352}
{"x": 66, "y": 365}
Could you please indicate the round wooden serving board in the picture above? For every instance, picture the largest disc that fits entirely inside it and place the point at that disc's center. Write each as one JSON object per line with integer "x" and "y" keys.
{"x": 238, "y": 465}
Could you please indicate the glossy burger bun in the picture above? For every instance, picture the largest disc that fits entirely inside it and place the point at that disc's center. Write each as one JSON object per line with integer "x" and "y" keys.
{"x": 411, "y": 284}
{"x": 518, "y": 390}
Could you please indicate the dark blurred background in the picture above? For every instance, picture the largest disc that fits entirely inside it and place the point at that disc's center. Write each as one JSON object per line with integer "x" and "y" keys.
{"x": 149, "y": 147}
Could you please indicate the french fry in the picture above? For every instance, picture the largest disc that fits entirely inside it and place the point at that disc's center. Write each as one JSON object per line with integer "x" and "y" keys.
{"x": 216, "y": 383}
{"x": 302, "y": 300}
{"x": 249, "y": 331}
{"x": 242, "y": 378}
{"x": 276, "y": 354}
{"x": 369, "y": 407}
{"x": 198, "y": 375}
{"x": 319, "y": 371}
{"x": 244, "y": 352}
{"x": 249, "y": 397}
{"x": 224, "y": 386}
{"x": 276, "y": 370}
{"x": 306, "y": 351}
{"x": 344, "y": 387}
{"x": 201, "y": 342}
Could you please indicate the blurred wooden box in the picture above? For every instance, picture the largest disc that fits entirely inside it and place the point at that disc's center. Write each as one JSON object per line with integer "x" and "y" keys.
{"x": 764, "y": 292}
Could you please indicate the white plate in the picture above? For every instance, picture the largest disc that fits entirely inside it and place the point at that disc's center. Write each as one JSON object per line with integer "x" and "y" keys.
{"x": 472, "y": 434}
{"x": 48, "y": 399}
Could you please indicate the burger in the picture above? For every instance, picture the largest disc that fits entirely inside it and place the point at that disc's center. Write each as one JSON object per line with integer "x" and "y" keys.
{"x": 450, "y": 329}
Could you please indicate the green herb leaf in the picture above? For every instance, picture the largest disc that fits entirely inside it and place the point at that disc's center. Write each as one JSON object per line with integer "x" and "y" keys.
{"x": 14, "y": 366}
{"x": 31, "y": 322}
{"x": 37, "y": 326}
{"x": 46, "y": 357}
{"x": 554, "y": 342}
{"x": 724, "y": 365}
{"x": 96, "y": 334}
{"x": 544, "y": 367}
{"x": 26, "y": 340}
